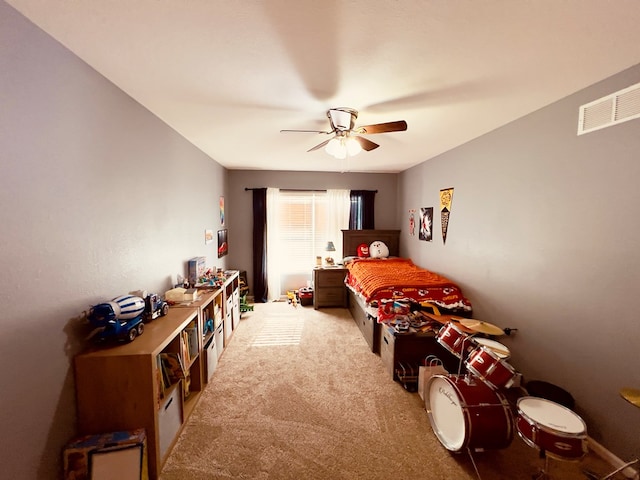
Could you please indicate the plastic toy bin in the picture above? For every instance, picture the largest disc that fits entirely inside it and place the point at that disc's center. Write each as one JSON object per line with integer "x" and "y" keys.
{"x": 306, "y": 296}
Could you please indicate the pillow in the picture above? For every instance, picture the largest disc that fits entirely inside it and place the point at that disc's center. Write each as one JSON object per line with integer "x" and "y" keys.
{"x": 378, "y": 249}
{"x": 363, "y": 250}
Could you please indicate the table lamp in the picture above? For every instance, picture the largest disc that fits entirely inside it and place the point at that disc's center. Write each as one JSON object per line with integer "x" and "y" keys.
{"x": 329, "y": 248}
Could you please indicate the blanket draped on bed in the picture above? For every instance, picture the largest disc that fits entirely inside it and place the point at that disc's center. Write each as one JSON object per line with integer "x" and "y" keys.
{"x": 391, "y": 278}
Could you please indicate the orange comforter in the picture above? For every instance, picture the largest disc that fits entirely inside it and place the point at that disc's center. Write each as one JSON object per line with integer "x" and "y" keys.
{"x": 394, "y": 278}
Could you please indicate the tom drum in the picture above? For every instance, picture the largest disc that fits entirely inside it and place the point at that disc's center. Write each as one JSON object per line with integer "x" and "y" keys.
{"x": 454, "y": 339}
{"x": 465, "y": 413}
{"x": 553, "y": 428}
{"x": 490, "y": 367}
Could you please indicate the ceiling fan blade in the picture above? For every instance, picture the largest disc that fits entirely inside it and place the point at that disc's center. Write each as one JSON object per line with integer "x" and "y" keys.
{"x": 366, "y": 144}
{"x": 398, "y": 126}
{"x": 320, "y": 145}
{"x": 305, "y": 131}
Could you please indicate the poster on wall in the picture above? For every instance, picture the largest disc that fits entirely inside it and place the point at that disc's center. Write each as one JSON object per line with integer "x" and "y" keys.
{"x": 208, "y": 237}
{"x": 446, "y": 196}
{"x": 426, "y": 224}
{"x": 223, "y": 243}
{"x": 412, "y": 222}
{"x": 222, "y": 211}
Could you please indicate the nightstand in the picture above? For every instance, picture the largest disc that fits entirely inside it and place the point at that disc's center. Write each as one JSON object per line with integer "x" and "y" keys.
{"x": 329, "y": 289}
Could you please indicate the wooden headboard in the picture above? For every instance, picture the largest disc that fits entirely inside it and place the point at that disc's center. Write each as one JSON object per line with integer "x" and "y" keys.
{"x": 352, "y": 238}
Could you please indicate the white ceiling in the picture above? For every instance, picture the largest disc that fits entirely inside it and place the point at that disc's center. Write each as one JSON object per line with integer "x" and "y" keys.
{"x": 228, "y": 75}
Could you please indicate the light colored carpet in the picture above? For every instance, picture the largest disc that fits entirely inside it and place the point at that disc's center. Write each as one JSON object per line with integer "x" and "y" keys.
{"x": 322, "y": 407}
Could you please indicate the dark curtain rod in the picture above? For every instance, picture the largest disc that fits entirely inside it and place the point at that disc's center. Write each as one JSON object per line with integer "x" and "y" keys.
{"x": 295, "y": 189}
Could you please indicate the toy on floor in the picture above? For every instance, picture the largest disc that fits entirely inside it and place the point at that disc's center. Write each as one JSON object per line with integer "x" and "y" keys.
{"x": 244, "y": 306}
{"x": 292, "y": 297}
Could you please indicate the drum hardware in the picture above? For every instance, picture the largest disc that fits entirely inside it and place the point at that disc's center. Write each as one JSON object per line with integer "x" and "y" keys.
{"x": 592, "y": 476}
{"x": 462, "y": 353}
{"x": 632, "y": 395}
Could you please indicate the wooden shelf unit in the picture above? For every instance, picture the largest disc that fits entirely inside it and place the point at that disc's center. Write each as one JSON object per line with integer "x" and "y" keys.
{"x": 119, "y": 386}
{"x": 231, "y": 298}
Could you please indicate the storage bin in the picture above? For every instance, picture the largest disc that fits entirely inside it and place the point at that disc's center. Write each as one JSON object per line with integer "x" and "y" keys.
{"x": 211, "y": 355}
{"x": 170, "y": 419}
{"x": 305, "y": 295}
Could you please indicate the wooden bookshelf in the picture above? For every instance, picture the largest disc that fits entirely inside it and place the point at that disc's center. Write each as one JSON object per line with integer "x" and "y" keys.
{"x": 120, "y": 387}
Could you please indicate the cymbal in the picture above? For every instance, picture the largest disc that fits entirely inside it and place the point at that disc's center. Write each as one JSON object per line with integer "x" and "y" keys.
{"x": 631, "y": 395}
{"x": 481, "y": 327}
{"x": 444, "y": 319}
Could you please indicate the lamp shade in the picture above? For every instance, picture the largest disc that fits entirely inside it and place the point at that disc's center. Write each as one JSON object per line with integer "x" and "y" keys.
{"x": 330, "y": 247}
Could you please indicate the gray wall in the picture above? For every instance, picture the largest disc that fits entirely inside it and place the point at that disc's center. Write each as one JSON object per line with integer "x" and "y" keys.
{"x": 240, "y": 205}
{"x": 99, "y": 197}
{"x": 543, "y": 237}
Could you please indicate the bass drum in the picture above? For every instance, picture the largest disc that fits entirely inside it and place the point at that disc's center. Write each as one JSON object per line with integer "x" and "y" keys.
{"x": 468, "y": 414}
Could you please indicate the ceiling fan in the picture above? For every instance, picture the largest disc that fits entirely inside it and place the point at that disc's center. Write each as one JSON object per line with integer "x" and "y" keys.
{"x": 346, "y": 137}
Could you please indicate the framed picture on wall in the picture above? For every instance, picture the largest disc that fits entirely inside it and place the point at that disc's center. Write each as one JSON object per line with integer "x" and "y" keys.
{"x": 223, "y": 244}
{"x": 426, "y": 224}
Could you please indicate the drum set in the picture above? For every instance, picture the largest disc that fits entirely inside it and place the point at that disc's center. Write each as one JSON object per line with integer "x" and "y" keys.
{"x": 470, "y": 411}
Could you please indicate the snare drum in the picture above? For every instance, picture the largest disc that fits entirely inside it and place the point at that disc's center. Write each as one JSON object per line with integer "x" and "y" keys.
{"x": 453, "y": 339}
{"x": 490, "y": 368}
{"x": 552, "y": 428}
{"x": 465, "y": 413}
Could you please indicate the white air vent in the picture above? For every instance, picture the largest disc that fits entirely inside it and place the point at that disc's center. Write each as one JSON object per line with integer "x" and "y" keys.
{"x": 610, "y": 110}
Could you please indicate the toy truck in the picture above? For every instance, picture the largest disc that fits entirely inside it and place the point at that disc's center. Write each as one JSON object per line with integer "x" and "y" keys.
{"x": 123, "y": 317}
{"x": 155, "y": 306}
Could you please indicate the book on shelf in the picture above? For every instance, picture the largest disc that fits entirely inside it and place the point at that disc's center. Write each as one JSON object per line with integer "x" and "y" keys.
{"x": 173, "y": 367}
{"x": 161, "y": 379}
{"x": 190, "y": 341}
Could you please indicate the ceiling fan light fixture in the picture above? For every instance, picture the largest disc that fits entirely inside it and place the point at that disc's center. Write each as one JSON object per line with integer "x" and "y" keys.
{"x": 334, "y": 147}
{"x": 340, "y": 147}
{"x": 353, "y": 146}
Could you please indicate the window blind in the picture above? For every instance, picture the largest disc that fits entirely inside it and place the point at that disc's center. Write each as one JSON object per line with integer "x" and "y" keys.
{"x": 302, "y": 229}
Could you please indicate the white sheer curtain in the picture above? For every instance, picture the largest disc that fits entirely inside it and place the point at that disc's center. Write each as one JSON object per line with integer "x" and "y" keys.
{"x": 339, "y": 207}
{"x": 299, "y": 224}
{"x": 274, "y": 256}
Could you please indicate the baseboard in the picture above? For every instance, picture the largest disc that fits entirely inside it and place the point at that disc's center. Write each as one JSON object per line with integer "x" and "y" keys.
{"x": 612, "y": 459}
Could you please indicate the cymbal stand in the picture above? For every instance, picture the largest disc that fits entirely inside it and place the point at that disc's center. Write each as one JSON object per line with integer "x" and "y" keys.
{"x": 462, "y": 354}
{"x": 612, "y": 474}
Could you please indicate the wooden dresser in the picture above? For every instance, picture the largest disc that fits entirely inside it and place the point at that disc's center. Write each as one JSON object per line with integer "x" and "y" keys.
{"x": 329, "y": 289}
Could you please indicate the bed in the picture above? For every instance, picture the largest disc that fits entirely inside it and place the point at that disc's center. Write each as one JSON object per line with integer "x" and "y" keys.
{"x": 373, "y": 284}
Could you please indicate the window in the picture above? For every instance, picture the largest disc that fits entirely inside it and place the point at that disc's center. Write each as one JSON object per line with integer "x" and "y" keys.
{"x": 299, "y": 226}
{"x": 302, "y": 229}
